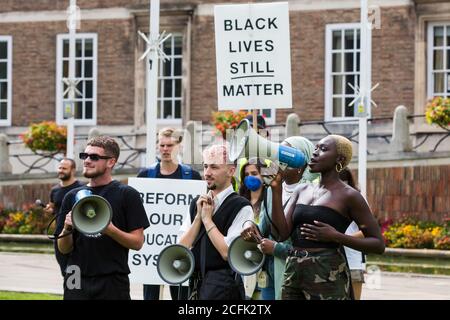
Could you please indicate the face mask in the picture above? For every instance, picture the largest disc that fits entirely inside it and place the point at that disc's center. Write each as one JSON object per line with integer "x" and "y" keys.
{"x": 252, "y": 183}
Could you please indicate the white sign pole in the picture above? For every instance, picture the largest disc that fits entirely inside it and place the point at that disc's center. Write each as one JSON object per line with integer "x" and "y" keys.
{"x": 365, "y": 94}
{"x": 70, "y": 120}
{"x": 152, "y": 83}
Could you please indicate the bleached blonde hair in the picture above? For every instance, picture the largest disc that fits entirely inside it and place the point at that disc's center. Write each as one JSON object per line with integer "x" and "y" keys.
{"x": 343, "y": 147}
{"x": 217, "y": 154}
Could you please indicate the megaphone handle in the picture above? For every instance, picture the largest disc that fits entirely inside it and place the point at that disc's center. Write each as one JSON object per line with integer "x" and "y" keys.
{"x": 56, "y": 237}
{"x": 179, "y": 291}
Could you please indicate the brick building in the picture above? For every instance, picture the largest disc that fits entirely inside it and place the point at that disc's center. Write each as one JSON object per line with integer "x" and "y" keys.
{"x": 34, "y": 55}
{"x": 410, "y": 61}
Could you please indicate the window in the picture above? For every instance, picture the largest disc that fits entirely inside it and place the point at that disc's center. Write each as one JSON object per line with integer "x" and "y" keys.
{"x": 343, "y": 49}
{"x": 85, "y": 111}
{"x": 5, "y": 80}
{"x": 269, "y": 115}
{"x": 439, "y": 59}
{"x": 170, "y": 80}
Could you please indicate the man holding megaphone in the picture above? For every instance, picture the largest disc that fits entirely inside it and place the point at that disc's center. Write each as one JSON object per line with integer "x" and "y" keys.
{"x": 217, "y": 219}
{"x": 98, "y": 263}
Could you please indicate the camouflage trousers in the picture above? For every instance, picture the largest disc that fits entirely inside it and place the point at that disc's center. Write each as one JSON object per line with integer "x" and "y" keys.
{"x": 320, "y": 275}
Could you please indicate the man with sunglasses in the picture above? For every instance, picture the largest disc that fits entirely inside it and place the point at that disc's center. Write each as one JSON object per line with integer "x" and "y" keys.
{"x": 102, "y": 259}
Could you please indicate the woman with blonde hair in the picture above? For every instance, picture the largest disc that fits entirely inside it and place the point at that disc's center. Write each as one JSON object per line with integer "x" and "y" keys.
{"x": 291, "y": 177}
{"x": 316, "y": 219}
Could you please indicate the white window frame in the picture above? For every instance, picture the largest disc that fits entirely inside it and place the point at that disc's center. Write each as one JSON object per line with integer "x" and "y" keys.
{"x": 8, "y": 39}
{"x": 59, "y": 75}
{"x": 269, "y": 120}
{"x": 430, "y": 57}
{"x": 161, "y": 78}
{"x": 328, "y": 69}
{"x": 273, "y": 116}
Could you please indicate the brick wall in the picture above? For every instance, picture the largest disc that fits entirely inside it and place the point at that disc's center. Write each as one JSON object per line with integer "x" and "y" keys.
{"x": 14, "y": 196}
{"x": 34, "y": 70}
{"x": 35, "y": 53}
{"x": 392, "y": 54}
{"x": 30, "y": 5}
{"x": 420, "y": 192}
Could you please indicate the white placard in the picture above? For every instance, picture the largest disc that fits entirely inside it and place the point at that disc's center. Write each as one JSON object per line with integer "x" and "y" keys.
{"x": 166, "y": 202}
{"x": 253, "y": 56}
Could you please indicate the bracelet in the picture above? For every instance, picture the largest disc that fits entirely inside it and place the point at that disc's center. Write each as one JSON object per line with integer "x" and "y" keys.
{"x": 207, "y": 232}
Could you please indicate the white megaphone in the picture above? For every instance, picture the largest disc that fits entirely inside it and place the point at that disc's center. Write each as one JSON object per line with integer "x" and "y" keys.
{"x": 91, "y": 214}
{"x": 246, "y": 143}
{"x": 244, "y": 257}
{"x": 175, "y": 264}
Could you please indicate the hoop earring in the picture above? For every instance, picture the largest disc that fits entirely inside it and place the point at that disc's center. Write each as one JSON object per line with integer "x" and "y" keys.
{"x": 338, "y": 170}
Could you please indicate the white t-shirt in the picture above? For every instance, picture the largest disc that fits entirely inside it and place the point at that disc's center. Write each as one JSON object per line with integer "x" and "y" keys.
{"x": 234, "y": 231}
{"x": 354, "y": 257}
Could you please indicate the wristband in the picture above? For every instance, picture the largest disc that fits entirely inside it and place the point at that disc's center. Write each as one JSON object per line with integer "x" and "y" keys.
{"x": 207, "y": 232}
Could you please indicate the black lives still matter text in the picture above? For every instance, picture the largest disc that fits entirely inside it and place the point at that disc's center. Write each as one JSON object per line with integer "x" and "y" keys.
{"x": 256, "y": 69}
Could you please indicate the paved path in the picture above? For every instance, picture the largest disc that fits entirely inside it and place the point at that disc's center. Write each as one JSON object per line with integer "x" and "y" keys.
{"x": 40, "y": 273}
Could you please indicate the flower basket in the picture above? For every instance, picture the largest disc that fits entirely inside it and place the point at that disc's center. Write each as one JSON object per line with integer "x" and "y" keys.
{"x": 438, "y": 112}
{"x": 46, "y": 136}
{"x": 225, "y": 120}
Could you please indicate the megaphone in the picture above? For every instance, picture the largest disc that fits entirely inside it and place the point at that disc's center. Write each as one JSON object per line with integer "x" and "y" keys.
{"x": 247, "y": 143}
{"x": 175, "y": 264}
{"x": 244, "y": 257}
{"x": 39, "y": 203}
{"x": 91, "y": 214}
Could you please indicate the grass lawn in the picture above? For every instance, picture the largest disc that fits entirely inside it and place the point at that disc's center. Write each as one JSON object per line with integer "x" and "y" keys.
{"x": 12, "y": 295}
{"x": 436, "y": 266}
{"x": 27, "y": 247}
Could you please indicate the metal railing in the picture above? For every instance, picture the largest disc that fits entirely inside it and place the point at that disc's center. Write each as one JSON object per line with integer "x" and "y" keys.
{"x": 37, "y": 162}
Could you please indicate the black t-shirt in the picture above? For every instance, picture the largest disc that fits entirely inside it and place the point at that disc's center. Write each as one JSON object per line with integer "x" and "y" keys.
{"x": 58, "y": 192}
{"x": 175, "y": 175}
{"x": 56, "y": 197}
{"x": 99, "y": 254}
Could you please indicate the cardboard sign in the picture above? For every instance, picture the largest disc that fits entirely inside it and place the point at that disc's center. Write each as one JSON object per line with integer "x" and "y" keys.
{"x": 166, "y": 202}
{"x": 253, "y": 56}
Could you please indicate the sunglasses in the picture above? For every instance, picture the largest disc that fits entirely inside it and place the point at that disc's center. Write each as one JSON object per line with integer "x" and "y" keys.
{"x": 92, "y": 156}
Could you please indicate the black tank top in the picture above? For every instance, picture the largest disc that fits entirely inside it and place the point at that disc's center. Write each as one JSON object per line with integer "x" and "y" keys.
{"x": 307, "y": 214}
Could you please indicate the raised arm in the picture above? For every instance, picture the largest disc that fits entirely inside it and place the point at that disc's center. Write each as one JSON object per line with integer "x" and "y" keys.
{"x": 191, "y": 232}
{"x": 281, "y": 221}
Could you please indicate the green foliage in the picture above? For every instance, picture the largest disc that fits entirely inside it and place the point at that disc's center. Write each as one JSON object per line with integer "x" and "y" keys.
{"x": 12, "y": 295}
{"x": 438, "y": 111}
{"x": 224, "y": 120}
{"x": 29, "y": 220}
{"x": 418, "y": 235}
{"x": 45, "y": 136}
